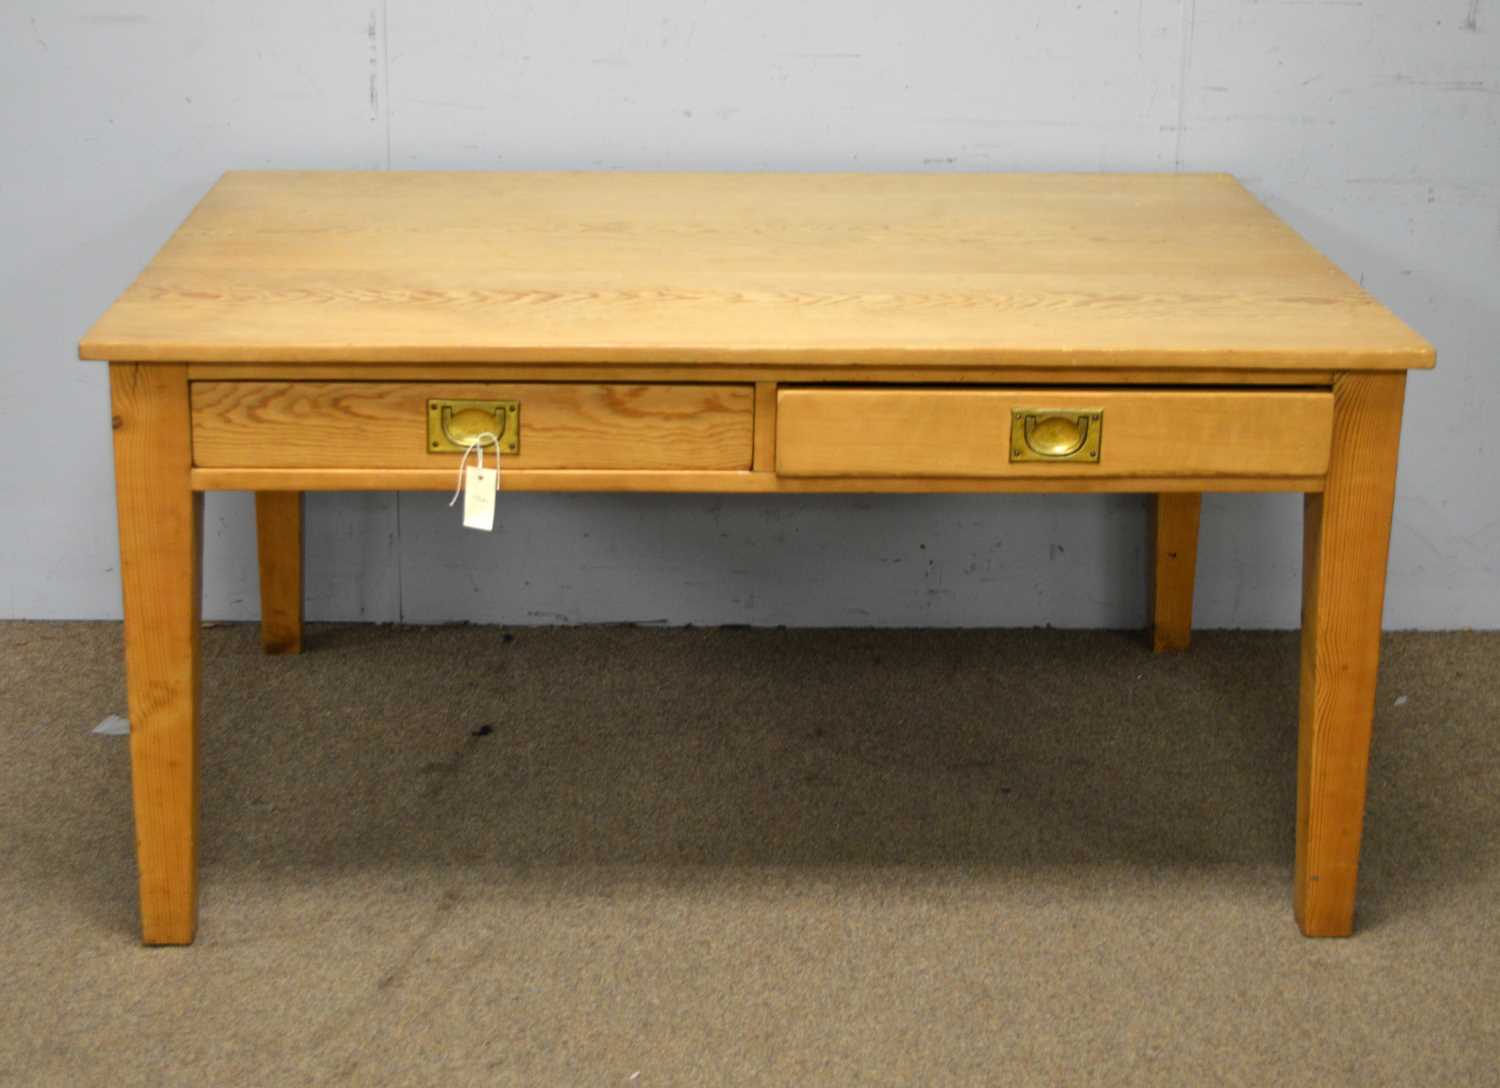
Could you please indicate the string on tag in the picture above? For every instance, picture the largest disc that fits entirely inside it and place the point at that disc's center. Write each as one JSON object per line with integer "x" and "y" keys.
{"x": 484, "y": 438}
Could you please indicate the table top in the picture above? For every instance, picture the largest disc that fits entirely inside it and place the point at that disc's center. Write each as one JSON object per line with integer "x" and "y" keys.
{"x": 1083, "y": 270}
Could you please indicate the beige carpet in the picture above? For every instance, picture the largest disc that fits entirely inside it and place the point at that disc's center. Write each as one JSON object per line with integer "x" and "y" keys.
{"x": 630, "y": 857}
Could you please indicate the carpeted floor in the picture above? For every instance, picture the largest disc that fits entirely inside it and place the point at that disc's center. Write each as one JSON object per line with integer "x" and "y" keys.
{"x": 634, "y": 857}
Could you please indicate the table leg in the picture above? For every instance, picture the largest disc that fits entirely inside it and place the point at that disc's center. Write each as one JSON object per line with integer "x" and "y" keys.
{"x": 1346, "y": 536}
{"x": 1174, "y": 563}
{"x": 278, "y": 535}
{"x": 160, "y": 558}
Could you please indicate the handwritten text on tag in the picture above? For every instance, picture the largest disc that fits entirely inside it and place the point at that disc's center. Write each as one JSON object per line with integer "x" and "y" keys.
{"x": 479, "y": 498}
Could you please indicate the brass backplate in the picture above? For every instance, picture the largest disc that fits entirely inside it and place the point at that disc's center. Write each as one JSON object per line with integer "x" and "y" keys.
{"x": 452, "y": 425}
{"x": 1056, "y": 434}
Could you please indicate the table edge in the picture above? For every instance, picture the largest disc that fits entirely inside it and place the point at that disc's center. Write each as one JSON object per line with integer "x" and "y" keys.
{"x": 834, "y": 358}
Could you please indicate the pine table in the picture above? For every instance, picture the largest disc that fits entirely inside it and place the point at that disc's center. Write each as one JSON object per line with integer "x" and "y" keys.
{"x": 1157, "y": 334}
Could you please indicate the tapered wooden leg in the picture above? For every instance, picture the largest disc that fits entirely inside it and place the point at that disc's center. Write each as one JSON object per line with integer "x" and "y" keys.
{"x": 160, "y": 571}
{"x": 1174, "y": 563}
{"x": 1346, "y": 537}
{"x": 278, "y": 535}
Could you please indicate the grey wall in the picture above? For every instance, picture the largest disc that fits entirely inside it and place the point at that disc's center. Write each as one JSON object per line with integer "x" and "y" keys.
{"x": 1374, "y": 127}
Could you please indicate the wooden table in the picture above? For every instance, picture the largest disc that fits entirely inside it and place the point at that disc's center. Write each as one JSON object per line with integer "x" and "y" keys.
{"x": 750, "y": 332}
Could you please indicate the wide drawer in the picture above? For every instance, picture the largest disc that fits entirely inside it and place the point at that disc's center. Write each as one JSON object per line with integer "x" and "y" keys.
{"x": 295, "y": 424}
{"x": 905, "y": 432}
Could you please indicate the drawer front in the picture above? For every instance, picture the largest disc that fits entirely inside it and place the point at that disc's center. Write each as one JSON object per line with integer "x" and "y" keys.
{"x": 562, "y": 425}
{"x": 917, "y": 432}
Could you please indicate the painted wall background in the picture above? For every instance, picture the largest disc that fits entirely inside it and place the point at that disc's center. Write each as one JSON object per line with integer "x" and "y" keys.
{"x": 1374, "y": 127}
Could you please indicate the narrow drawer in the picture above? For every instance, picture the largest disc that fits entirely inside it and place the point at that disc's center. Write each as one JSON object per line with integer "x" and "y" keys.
{"x": 250, "y": 424}
{"x": 906, "y": 432}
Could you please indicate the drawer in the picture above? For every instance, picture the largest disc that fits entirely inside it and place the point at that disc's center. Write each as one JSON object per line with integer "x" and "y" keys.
{"x": 295, "y": 424}
{"x": 907, "y": 432}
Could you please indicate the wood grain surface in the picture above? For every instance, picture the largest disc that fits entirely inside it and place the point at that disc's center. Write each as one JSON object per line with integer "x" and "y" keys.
{"x": 442, "y": 479}
{"x": 384, "y": 424}
{"x": 723, "y": 373}
{"x": 918, "y": 270}
{"x": 1346, "y": 542}
{"x": 279, "y": 547}
{"x": 161, "y": 548}
{"x": 966, "y": 432}
{"x": 1174, "y": 567}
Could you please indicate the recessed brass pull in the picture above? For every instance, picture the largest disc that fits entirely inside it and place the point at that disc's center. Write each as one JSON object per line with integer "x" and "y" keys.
{"x": 452, "y": 425}
{"x": 1056, "y": 434}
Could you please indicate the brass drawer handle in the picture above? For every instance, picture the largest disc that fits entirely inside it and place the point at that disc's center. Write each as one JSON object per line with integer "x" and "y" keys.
{"x": 1056, "y": 434}
{"x": 453, "y": 425}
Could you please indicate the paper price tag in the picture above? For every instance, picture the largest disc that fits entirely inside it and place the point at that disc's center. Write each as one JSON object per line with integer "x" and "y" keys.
{"x": 479, "y": 498}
